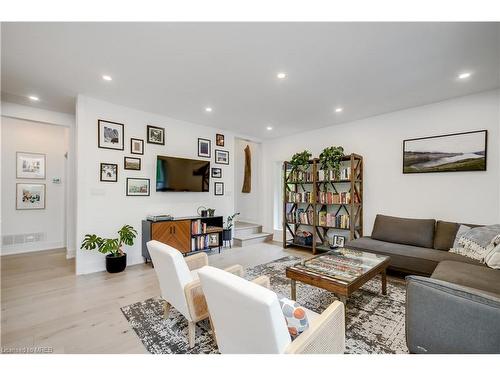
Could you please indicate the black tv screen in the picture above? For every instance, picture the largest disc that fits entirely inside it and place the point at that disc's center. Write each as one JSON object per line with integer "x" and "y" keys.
{"x": 178, "y": 174}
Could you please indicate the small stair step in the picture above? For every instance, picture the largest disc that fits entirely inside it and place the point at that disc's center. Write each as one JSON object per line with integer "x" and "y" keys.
{"x": 250, "y": 239}
{"x": 242, "y": 228}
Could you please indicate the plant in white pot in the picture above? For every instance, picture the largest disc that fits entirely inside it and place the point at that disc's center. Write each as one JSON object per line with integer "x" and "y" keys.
{"x": 116, "y": 258}
{"x": 227, "y": 232}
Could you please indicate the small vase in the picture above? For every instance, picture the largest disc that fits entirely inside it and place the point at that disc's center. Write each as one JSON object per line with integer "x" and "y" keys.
{"x": 116, "y": 264}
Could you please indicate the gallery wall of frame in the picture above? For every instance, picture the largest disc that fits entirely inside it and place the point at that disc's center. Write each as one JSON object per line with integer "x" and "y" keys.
{"x": 118, "y": 164}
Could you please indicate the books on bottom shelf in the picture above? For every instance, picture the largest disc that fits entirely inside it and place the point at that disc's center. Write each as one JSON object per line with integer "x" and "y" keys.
{"x": 327, "y": 219}
{"x": 205, "y": 242}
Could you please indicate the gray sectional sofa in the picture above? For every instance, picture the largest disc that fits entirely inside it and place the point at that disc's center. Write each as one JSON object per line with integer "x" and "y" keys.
{"x": 457, "y": 308}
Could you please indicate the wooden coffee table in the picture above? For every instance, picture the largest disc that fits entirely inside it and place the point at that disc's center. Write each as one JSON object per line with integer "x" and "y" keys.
{"x": 341, "y": 271}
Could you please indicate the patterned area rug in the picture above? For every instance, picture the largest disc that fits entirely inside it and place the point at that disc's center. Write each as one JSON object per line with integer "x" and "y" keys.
{"x": 375, "y": 323}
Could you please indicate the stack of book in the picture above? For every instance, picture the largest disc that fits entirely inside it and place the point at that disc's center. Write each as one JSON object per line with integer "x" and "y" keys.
{"x": 344, "y": 174}
{"x": 300, "y": 216}
{"x": 305, "y": 197}
{"x": 197, "y": 227}
{"x": 329, "y": 197}
{"x": 299, "y": 176}
{"x": 326, "y": 219}
{"x": 199, "y": 243}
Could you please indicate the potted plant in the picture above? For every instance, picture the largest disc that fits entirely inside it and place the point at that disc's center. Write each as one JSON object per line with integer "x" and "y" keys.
{"x": 300, "y": 163}
{"x": 227, "y": 231}
{"x": 116, "y": 258}
{"x": 330, "y": 159}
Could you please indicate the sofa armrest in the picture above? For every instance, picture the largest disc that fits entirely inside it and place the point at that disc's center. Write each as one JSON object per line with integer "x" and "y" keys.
{"x": 443, "y": 317}
{"x": 196, "y": 261}
{"x": 325, "y": 335}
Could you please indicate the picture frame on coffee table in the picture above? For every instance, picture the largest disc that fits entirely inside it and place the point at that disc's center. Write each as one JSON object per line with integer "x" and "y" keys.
{"x": 338, "y": 241}
{"x": 110, "y": 135}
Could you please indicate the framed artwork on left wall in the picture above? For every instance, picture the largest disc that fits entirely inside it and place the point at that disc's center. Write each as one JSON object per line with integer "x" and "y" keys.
{"x": 30, "y": 165}
{"x": 30, "y": 196}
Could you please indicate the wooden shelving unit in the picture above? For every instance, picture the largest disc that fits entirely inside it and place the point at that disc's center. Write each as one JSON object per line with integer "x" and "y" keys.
{"x": 353, "y": 208}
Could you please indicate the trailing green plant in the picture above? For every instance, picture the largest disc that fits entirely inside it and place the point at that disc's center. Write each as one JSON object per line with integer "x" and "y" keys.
{"x": 113, "y": 246}
{"x": 229, "y": 221}
{"x": 300, "y": 160}
{"x": 330, "y": 159}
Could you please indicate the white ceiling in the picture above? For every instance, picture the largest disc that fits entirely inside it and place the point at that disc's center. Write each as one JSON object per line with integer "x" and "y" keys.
{"x": 178, "y": 69}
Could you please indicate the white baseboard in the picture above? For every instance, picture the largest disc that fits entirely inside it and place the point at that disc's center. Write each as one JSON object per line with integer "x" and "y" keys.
{"x": 70, "y": 253}
{"x": 31, "y": 247}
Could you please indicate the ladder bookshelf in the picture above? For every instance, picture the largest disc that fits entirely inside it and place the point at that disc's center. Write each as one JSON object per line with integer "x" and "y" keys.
{"x": 315, "y": 202}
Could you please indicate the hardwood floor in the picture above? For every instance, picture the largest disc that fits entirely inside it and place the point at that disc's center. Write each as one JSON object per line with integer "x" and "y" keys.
{"x": 44, "y": 304}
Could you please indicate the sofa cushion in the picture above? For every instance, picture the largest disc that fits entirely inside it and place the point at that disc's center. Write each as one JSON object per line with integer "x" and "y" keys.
{"x": 407, "y": 258}
{"x": 415, "y": 232}
{"x": 445, "y": 234}
{"x": 469, "y": 275}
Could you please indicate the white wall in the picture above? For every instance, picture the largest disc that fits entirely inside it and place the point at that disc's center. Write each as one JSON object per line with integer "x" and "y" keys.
{"x": 103, "y": 207}
{"x": 460, "y": 196}
{"x": 248, "y": 204}
{"x": 29, "y": 136}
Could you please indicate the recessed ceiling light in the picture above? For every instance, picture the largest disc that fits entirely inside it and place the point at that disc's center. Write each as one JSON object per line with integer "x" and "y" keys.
{"x": 269, "y": 127}
{"x": 464, "y": 75}
{"x": 208, "y": 109}
{"x": 107, "y": 78}
{"x": 281, "y": 75}
{"x": 34, "y": 98}
{"x": 339, "y": 109}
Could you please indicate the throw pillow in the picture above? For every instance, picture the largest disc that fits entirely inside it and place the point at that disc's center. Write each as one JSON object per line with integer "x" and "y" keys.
{"x": 462, "y": 229}
{"x": 295, "y": 316}
{"x": 492, "y": 259}
{"x": 445, "y": 234}
{"x": 478, "y": 242}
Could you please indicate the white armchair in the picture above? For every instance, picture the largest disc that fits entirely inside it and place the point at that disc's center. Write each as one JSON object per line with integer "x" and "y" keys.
{"x": 179, "y": 283}
{"x": 247, "y": 319}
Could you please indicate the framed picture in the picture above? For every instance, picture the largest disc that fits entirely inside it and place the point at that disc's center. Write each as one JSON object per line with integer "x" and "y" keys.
{"x": 213, "y": 239}
{"x": 30, "y": 196}
{"x": 338, "y": 241}
{"x": 30, "y": 165}
{"x": 446, "y": 153}
{"x": 133, "y": 164}
{"x": 219, "y": 188}
{"x": 219, "y": 140}
{"x": 136, "y": 146}
{"x": 109, "y": 172}
{"x": 156, "y": 135}
{"x": 137, "y": 186}
{"x": 216, "y": 172}
{"x": 110, "y": 135}
{"x": 221, "y": 157}
{"x": 204, "y": 148}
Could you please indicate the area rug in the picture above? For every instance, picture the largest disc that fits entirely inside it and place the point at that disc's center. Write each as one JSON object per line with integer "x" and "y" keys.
{"x": 375, "y": 323}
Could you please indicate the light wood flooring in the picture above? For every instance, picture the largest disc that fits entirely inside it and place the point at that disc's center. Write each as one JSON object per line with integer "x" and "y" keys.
{"x": 44, "y": 304}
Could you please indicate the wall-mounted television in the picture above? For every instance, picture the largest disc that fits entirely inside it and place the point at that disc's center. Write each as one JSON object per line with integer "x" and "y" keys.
{"x": 179, "y": 174}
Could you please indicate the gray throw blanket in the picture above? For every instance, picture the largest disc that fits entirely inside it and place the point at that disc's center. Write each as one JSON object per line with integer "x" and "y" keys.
{"x": 477, "y": 242}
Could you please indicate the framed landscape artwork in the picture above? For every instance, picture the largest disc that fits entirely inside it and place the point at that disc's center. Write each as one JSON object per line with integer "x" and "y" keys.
{"x": 446, "y": 153}
{"x": 137, "y": 186}
{"x": 204, "y": 148}
{"x": 109, "y": 172}
{"x": 132, "y": 163}
{"x": 221, "y": 157}
{"x": 136, "y": 146}
{"x": 110, "y": 135}
{"x": 156, "y": 135}
{"x": 30, "y": 196}
{"x": 219, "y": 188}
{"x": 30, "y": 165}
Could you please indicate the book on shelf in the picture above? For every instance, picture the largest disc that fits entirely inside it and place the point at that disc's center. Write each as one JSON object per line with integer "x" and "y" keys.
{"x": 301, "y": 216}
{"x": 326, "y": 219}
{"x": 197, "y": 227}
{"x": 300, "y": 176}
{"x": 344, "y": 174}
{"x": 204, "y": 242}
{"x": 299, "y": 197}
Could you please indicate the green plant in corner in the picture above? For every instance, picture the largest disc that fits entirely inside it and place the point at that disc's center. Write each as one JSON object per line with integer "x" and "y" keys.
{"x": 300, "y": 160}
{"x": 126, "y": 236}
{"x": 229, "y": 221}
